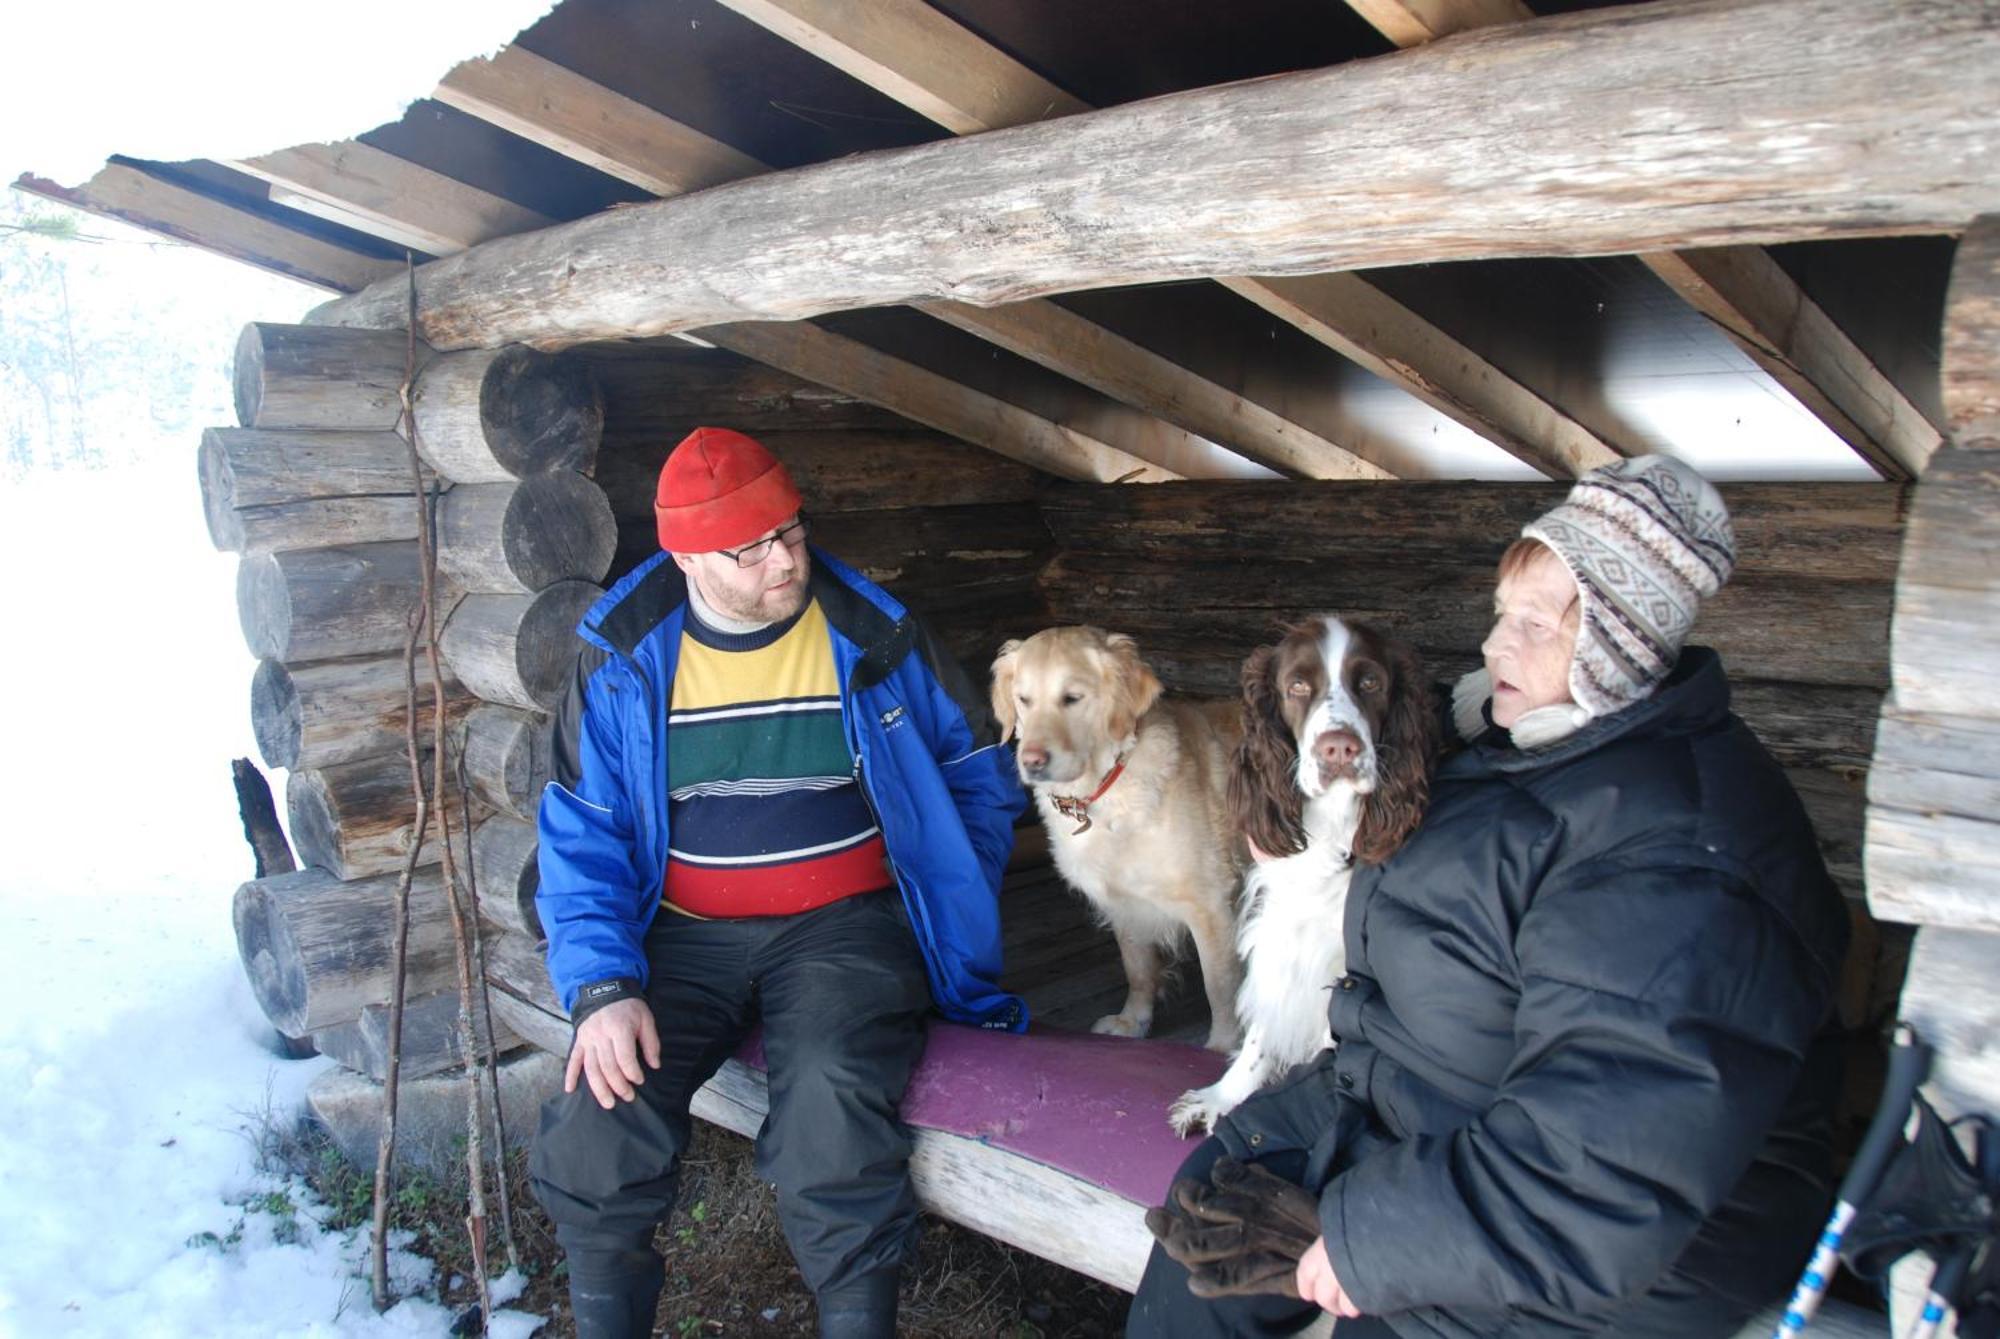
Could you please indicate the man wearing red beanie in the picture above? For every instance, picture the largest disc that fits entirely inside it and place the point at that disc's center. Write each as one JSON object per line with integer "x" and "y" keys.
{"x": 776, "y": 800}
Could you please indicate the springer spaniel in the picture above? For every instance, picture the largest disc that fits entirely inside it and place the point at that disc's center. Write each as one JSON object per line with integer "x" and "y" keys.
{"x": 1334, "y": 767}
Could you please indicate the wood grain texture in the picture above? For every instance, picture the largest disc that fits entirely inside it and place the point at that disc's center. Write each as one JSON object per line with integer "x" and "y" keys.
{"x": 304, "y": 376}
{"x": 504, "y": 873}
{"x": 319, "y": 604}
{"x": 1949, "y": 997}
{"x": 431, "y": 1042}
{"x": 1971, "y": 370}
{"x": 496, "y": 415}
{"x": 521, "y": 536}
{"x": 318, "y": 714}
{"x": 1586, "y": 134}
{"x": 517, "y": 649}
{"x": 359, "y": 819}
{"x": 506, "y": 755}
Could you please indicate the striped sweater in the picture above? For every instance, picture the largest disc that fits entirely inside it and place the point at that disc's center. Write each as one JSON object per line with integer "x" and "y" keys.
{"x": 765, "y": 814}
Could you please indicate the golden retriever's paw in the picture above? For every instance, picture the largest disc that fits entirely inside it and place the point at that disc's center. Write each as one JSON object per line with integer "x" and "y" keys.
{"x": 1224, "y": 1038}
{"x": 1122, "y": 1025}
{"x": 1195, "y": 1112}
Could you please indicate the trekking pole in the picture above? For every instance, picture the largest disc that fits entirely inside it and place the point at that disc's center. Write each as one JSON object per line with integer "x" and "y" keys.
{"x": 1909, "y": 1060}
{"x": 1945, "y": 1281}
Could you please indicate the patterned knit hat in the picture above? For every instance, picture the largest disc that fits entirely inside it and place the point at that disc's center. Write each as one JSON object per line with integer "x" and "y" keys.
{"x": 719, "y": 490}
{"x": 1645, "y": 540}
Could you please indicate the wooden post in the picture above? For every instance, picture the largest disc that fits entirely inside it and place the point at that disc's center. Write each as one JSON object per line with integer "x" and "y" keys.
{"x": 517, "y": 538}
{"x": 316, "y": 715}
{"x": 317, "y": 950}
{"x": 496, "y": 415}
{"x": 307, "y": 376}
{"x": 317, "y": 604}
{"x": 518, "y": 649}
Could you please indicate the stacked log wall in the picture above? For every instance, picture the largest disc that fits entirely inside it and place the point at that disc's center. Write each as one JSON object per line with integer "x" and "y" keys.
{"x": 317, "y": 491}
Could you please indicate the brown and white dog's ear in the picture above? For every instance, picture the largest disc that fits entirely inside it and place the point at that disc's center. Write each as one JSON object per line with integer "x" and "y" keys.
{"x": 1005, "y": 661}
{"x": 1264, "y": 791}
{"x": 1133, "y": 686}
{"x": 1405, "y": 755}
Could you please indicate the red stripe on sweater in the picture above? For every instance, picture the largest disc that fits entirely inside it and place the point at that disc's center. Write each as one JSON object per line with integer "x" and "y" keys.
{"x": 778, "y": 890}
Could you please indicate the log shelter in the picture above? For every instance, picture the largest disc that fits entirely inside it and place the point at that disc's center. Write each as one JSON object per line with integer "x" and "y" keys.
{"x": 1177, "y": 318}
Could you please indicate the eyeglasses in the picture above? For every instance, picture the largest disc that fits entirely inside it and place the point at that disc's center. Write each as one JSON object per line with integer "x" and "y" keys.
{"x": 752, "y": 554}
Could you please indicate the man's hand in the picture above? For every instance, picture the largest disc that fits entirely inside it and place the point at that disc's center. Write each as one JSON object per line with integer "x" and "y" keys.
{"x": 607, "y": 1049}
{"x": 1316, "y": 1282}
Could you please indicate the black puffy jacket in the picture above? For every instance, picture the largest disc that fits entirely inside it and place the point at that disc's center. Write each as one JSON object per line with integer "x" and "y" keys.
{"x": 1588, "y": 1026}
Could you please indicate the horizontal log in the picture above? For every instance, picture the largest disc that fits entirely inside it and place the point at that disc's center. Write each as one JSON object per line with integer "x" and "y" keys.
{"x": 261, "y": 467}
{"x": 1953, "y": 538}
{"x": 431, "y": 1038}
{"x": 318, "y": 950}
{"x": 316, "y": 715}
{"x": 518, "y": 649}
{"x": 1949, "y": 997}
{"x": 842, "y": 470}
{"x": 505, "y": 875}
{"x": 533, "y": 1024}
{"x": 358, "y": 819}
{"x": 309, "y": 376}
{"x": 1929, "y": 868}
{"x": 1945, "y": 643}
{"x": 507, "y": 756}
{"x": 1584, "y": 134}
{"x": 1971, "y": 352}
{"x": 520, "y": 536}
{"x": 657, "y": 392}
{"x": 519, "y": 965}
{"x": 312, "y": 524}
{"x": 318, "y": 604}
{"x": 495, "y": 415}
{"x": 1936, "y": 764}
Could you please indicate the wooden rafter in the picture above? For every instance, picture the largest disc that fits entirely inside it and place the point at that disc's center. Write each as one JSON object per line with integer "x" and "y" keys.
{"x": 550, "y": 105}
{"x": 391, "y": 197}
{"x": 910, "y": 52}
{"x": 561, "y": 110}
{"x": 1652, "y": 153}
{"x": 805, "y": 350}
{"x": 1740, "y": 288}
{"x": 131, "y": 196}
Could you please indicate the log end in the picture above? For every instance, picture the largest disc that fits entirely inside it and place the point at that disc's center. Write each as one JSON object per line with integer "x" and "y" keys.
{"x": 558, "y": 527}
{"x": 218, "y": 494}
{"x": 313, "y": 820}
{"x": 270, "y": 956}
{"x": 540, "y": 412}
{"x": 248, "y": 374}
{"x": 546, "y": 650}
{"x": 264, "y": 607}
{"x": 275, "y": 715}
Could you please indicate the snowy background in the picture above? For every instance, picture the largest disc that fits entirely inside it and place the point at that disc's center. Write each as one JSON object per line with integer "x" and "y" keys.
{"x": 134, "y": 1065}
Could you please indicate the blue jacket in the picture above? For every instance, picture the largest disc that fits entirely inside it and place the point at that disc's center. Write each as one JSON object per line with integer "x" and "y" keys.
{"x": 925, "y": 753}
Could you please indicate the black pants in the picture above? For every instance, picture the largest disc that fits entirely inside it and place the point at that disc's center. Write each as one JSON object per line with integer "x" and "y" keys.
{"x": 842, "y": 993}
{"x": 1163, "y": 1308}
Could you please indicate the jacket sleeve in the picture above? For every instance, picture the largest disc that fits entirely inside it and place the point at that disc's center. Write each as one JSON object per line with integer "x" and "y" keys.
{"x": 977, "y": 767}
{"x": 1664, "y": 1017}
{"x": 591, "y": 905}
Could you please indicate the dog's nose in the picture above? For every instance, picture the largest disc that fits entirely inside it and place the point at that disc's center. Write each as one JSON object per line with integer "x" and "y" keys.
{"x": 1337, "y": 748}
{"x": 1034, "y": 759}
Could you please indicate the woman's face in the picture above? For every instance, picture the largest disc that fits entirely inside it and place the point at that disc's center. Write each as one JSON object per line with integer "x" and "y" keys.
{"x": 1535, "y": 614}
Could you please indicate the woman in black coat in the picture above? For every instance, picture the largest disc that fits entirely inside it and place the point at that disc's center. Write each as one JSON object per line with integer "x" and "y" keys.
{"x": 1585, "y": 1075}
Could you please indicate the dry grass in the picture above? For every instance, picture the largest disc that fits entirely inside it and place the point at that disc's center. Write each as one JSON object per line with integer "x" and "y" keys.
{"x": 728, "y": 1271}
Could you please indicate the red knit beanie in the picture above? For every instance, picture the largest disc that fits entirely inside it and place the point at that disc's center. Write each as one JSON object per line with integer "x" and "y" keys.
{"x": 720, "y": 490}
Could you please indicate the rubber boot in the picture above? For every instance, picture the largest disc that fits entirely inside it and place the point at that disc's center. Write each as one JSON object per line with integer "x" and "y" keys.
{"x": 863, "y": 1309}
{"x": 618, "y": 1304}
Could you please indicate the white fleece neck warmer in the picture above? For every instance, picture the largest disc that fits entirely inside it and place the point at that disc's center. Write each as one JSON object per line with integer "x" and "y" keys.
{"x": 1535, "y": 729}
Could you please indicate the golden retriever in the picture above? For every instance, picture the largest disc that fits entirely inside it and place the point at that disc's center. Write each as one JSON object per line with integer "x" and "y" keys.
{"x": 1134, "y": 792}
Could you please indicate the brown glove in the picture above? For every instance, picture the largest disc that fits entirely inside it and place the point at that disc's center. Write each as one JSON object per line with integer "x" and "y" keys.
{"x": 1241, "y": 1231}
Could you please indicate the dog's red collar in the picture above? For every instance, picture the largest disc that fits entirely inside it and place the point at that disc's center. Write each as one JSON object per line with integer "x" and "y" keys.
{"x": 1069, "y": 806}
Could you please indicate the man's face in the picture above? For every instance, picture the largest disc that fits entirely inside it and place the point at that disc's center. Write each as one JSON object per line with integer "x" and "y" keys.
{"x": 1535, "y": 615}
{"x": 767, "y": 591}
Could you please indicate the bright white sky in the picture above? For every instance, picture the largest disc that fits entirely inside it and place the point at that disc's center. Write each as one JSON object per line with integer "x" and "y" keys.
{"x": 222, "y": 78}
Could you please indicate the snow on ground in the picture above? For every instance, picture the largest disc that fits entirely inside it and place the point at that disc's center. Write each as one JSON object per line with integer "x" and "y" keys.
{"x": 132, "y": 1056}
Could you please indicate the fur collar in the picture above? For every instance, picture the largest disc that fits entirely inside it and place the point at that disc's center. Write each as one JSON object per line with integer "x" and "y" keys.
{"x": 1535, "y": 729}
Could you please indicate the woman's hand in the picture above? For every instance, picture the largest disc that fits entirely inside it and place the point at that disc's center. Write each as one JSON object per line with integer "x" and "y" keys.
{"x": 1316, "y": 1282}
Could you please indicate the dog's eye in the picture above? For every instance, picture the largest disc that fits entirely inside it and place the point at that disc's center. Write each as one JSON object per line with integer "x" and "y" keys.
{"x": 1071, "y": 698}
{"x": 1022, "y": 698}
{"x": 1371, "y": 683}
{"x": 1299, "y": 688}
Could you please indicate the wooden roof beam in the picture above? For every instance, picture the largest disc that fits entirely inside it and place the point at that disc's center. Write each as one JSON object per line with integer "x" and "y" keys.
{"x": 804, "y": 350}
{"x": 131, "y": 196}
{"x": 1740, "y": 288}
{"x": 1348, "y": 168}
{"x": 907, "y": 50}
{"x": 559, "y": 109}
{"x": 393, "y": 198}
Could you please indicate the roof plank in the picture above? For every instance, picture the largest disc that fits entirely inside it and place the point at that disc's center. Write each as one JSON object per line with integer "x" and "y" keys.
{"x": 919, "y": 57}
{"x": 553, "y": 106}
{"x": 131, "y": 196}
{"x": 1361, "y": 164}
{"x": 392, "y": 197}
{"x": 847, "y": 365}
{"x": 1742, "y": 289}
